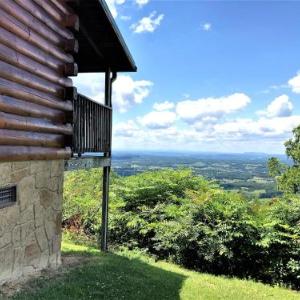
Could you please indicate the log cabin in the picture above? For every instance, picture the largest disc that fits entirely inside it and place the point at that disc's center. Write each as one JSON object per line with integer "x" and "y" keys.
{"x": 45, "y": 124}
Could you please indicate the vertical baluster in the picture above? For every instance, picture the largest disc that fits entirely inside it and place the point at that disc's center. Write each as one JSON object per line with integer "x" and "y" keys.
{"x": 89, "y": 126}
{"x": 101, "y": 133}
{"x": 88, "y": 120}
{"x": 83, "y": 125}
{"x": 86, "y": 106}
{"x": 99, "y": 128}
{"x": 80, "y": 123}
{"x": 109, "y": 130}
{"x": 93, "y": 125}
{"x": 74, "y": 126}
{"x": 102, "y": 129}
{"x": 105, "y": 128}
{"x": 96, "y": 126}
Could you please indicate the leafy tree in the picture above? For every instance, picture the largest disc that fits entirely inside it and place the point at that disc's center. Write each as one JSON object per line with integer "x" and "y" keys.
{"x": 288, "y": 177}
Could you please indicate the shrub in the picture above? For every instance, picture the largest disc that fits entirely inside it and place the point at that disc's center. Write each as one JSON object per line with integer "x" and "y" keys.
{"x": 82, "y": 199}
{"x": 147, "y": 202}
{"x": 176, "y": 215}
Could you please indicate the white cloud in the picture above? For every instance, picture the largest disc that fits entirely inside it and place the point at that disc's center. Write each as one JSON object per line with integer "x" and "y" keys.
{"x": 275, "y": 87}
{"x": 279, "y": 107}
{"x": 206, "y": 26}
{"x": 193, "y": 111}
{"x": 294, "y": 83}
{"x": 239, "y": 135}
{"x": 209, "y": 127}
{"x": 126, "y": 129}
{"x": 158, "y": 119}
{"x": 205, "y": 124}
{"x": 264, "y": 128}
{"x": 113, "y": 6}
{"x": 90, "y": 85}
{"x": 148, "y": 24}
{"x": 125, "y": 18}
{"x": 126, "y": 91}
{"x": 141, "y": 3}
{"x": 163, "y": 106}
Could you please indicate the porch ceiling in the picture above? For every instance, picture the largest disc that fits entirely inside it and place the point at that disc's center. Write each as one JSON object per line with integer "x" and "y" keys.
{"x": 101, "y": 44}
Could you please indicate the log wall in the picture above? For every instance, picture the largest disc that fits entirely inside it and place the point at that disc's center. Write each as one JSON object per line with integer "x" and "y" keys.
{"x": 37, "y": 44}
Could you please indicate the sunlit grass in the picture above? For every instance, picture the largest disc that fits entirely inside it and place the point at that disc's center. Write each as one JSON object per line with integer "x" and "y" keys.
{"x": 131, "y": 275}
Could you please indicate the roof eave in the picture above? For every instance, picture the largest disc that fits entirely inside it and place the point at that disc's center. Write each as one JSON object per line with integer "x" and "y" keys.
{"x": 119, "y": 35}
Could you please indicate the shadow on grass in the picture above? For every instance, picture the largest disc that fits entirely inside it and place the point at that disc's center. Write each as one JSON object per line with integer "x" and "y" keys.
{"x": 108, "y": 276}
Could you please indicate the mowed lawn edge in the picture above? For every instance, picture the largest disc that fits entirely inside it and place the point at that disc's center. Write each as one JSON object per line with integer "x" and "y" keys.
{"x": 132, "y": 275}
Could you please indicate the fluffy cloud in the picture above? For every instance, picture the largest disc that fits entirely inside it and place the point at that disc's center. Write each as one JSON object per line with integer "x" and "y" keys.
{"x": 142, "y": 2}
{"x": 113, "y": 6}
{"x": 91, "y": 85}
{"x": 193, "y": 111}
{"x": 241, "y": 129}
{"x": 206, "y": 26}
{"x": 163, "y": 106}
{"x": 126, "y": 91}
{"x": 206, "y": 130}
{"x": 148, "y": 24}
{"x": 126, "y": 129}
{"x": 210, "y": 125}
{"x": 158, "y": 119}
{"x": 279, "y": 107}
{"x": 240, "y": 135}
{"x": 294, "y": 83}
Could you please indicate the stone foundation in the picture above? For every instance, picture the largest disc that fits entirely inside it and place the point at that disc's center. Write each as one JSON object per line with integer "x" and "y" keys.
{"x": 30, "y": 229}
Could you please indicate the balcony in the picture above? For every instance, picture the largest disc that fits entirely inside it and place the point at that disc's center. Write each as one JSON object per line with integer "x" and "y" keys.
{"x": 92, "y": 125}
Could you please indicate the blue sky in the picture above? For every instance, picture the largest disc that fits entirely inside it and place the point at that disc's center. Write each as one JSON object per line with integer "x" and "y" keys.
{"x": 212, "y": 75}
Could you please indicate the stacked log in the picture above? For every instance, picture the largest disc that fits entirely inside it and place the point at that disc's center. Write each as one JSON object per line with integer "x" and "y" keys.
{"x": 37, "y": 43}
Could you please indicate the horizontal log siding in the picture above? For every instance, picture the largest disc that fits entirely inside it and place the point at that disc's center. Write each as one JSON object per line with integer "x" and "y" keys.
{"x": 36, "y": 58}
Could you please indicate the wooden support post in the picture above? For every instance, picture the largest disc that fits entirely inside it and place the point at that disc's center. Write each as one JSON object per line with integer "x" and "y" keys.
{"x": 105, "y": 201}
{"x": 106, "y": 172}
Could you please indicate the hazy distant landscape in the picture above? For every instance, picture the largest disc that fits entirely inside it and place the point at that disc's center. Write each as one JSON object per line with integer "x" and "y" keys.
{"x": 245, "y": 172}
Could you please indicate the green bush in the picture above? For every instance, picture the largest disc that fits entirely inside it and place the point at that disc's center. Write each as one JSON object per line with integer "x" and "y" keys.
{"x": 82, "y": 200}
{"x": 281, "y": 237}
{"x": 176, "y": 215}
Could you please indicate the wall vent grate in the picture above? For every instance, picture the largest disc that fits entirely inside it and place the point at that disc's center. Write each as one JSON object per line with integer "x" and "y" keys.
{"x": 8, "y": 196}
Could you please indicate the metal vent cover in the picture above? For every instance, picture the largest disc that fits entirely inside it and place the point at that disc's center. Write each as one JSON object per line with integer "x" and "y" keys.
{"x": 8, "y": 196}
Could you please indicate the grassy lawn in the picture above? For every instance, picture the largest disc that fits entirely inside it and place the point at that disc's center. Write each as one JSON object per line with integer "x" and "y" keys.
{"x": 128, "y": 275}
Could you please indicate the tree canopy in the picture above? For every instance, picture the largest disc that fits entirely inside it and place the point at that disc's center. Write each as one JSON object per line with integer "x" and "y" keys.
{"x": 288, "y": 176}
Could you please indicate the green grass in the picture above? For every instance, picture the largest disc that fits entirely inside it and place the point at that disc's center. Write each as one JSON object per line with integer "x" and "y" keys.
{"x": 130, "y": 275}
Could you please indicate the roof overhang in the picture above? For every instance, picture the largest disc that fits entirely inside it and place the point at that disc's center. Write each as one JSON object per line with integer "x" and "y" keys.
{"x": 101, "y": 45}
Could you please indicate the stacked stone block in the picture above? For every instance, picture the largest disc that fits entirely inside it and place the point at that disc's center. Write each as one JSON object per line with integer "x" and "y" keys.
{"x": 30, "y": 229}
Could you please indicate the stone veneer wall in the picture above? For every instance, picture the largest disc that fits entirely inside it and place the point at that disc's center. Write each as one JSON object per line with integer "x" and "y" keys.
{"x": 30, "y": 230}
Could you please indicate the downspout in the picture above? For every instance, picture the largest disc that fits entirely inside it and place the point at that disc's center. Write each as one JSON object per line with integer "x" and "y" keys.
{"x": 112, "y": 80}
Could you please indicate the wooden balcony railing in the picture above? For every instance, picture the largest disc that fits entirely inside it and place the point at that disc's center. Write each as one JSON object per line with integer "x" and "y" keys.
{"x": 92, "y": 124}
